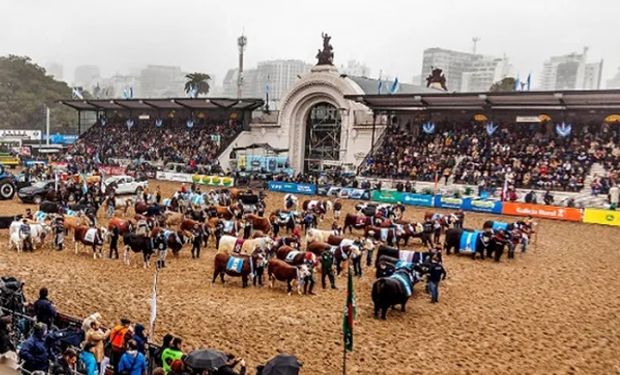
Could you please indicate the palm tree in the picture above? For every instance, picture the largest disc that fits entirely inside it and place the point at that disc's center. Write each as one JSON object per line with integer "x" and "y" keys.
{"x": 198, "y": 82}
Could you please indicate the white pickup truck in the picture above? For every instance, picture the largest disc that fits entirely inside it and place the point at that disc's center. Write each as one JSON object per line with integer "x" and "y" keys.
{"x": 126, "y": 184}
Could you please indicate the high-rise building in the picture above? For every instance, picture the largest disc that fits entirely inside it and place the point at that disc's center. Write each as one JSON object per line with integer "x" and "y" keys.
{"x": 113, "y": 87}
{"x": 614, "y": 83}
{"x": 355, "y": 68}
{"x": 452, "y": 63}
{"x": 55, "y": 70}
{"x": 484, "y": 72}
{"x": 160, "y": 81}
{"x": 278, "y": 75}
{"x": 86, "y": 75}
{"x": 571, "y": 72}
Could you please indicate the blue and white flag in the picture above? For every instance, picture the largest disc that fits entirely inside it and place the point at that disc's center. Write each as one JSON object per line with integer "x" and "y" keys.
{"x": 193, "y": 91}
{"x": 395, "y": 86}
{"x": 190, "y": 123}
{"x": 129, "y": 124}
{"x": 103, "y": 121}
{"x": 159, "y": 122}
{"x": 491, "y": 128}
{"x": 428, "y": 127}
{"x": 563, "y": 129}
{"x": 76, "y": 93}
{"x": 127, "y": 93}
{"x": 517, "y": 84}
{"x": 528, "y": 82}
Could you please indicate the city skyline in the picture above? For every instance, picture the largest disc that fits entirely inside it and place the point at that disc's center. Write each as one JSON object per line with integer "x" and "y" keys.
{"x": 528, "y": 35}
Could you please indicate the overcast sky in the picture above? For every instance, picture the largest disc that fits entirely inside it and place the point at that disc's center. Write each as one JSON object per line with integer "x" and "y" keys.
{"x": 200, "y": 35}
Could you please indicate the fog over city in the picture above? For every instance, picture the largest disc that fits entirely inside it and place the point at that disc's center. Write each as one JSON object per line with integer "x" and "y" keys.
{"x": 388, "y": 36}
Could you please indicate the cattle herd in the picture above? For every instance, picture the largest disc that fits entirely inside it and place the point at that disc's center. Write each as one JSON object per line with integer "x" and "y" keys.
{"x": 285, "y": 243}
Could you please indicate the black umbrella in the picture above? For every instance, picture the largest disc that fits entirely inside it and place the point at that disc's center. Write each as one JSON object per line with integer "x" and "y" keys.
{"x": 282, "y": 364}
{"x": 206, "y": 359}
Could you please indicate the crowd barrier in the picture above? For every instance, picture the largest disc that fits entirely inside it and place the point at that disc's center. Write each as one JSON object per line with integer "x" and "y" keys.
{"x": 604, "y": 217}
{"x": 291, "y": 187}
{"x": 196, "y": 178}
{"x": 343, "y": 192}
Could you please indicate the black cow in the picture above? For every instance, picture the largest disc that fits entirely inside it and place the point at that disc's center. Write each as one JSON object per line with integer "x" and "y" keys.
{"x": 138, "y": 244}
{"x": 394, "y": 253}
{"x": 5, "y": 221}
{"x": 50, "y": 207}
{"x": 484, "y": 241}
{"x": 390, "y": 291}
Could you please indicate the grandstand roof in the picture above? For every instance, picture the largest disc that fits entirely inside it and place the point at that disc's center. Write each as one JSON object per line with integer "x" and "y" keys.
{"x": 371, "y": 86}
{"x": 249, "y": 104}
{"x": 521, "y": 100}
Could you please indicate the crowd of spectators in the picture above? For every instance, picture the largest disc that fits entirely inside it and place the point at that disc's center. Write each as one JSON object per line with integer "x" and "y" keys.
{"x": 527, "y": 156}
{"x": 173, "y": 142}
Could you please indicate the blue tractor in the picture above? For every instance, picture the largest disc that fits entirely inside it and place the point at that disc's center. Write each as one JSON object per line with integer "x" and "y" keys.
{"x": 7, "y": 184}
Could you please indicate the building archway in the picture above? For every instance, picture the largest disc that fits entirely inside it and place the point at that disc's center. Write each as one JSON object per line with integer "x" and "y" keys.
{"x": 322, "y": 136}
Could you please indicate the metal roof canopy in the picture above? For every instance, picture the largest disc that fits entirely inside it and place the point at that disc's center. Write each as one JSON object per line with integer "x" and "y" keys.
{"x": 245, "y": 104}
{"x": 520, "y": 100}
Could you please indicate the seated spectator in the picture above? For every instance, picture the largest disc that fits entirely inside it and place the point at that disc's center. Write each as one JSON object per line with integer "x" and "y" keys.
{"x": 34, "y": 352}
{"x": 66, "y": 365}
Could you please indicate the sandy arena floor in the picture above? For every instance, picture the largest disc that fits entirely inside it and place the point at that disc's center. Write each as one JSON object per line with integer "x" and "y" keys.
{"x": 554, "y": 310}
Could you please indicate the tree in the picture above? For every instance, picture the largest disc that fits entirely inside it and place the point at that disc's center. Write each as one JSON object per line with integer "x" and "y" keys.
{"x": 25, "y": 90}
{"x": 505, "y": 85}
{"x": 198, "y": 82}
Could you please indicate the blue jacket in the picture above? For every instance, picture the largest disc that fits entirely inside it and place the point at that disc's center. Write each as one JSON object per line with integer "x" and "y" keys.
{"x": 89, "y": 362}
{"x": 35, "y": 354}
{"x": 45, "y": 311}
{"x": 139, "y": 337}
{"x": 135, "y": 367}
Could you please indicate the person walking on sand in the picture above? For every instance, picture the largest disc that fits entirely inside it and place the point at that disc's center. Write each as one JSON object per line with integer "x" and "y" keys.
{"x": 436, "y": 273}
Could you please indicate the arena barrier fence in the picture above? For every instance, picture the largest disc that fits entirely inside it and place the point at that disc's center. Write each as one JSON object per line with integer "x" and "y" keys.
{"x": 196, "y": 178}
{"x": 343, "y": 192}
{"x": 604, "y": 217}
{"x": 541, "y": 211}
{"x": 290, "y": 187}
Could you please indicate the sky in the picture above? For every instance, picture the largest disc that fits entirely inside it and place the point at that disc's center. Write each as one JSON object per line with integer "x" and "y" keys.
{"x": 386, "y": 35}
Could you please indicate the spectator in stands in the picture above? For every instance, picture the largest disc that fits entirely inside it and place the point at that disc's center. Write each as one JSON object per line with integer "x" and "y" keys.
{"x": 229, "y": 367}
{"x": 118, "y": 339}
{"x": 132, "y": 362}
{"x": 548, "y": 198}
{"x": 67, "y": 363}
{"x": 88, "y": 360}
{"x": 140, "y": 338}
{"x": 5, "y": 340}
{"x": 96, "y": 336}
{"x": 44, "y": 309}
{"x": 166, "y": 342}
{"x": 34, "y": 352}
{"x": 177, "y": 368}
{"x": 530, "y": 197}
{"x": 172, "y": 353}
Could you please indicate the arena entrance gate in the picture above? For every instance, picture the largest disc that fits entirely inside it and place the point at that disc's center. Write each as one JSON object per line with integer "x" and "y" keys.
{"x": 323, "y": 128}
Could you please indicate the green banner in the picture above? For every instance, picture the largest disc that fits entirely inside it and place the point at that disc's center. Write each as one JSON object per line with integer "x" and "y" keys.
{"x": 386, "y": 196}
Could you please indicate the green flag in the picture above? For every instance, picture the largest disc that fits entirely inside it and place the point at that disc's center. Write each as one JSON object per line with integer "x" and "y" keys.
{"x": 349, "y": 315}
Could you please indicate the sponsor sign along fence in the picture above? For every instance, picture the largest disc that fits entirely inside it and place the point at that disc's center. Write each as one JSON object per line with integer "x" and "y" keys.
{"x": 540, "y": 211}
{"x": 198, "y": 179}
{"x": 605, "y": 217}
{"x": 410, "y": 199}
{"x": 290, "y": 187}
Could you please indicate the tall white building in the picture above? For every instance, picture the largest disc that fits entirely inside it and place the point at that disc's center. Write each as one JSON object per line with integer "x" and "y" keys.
{"x": 484, "y": 72}
{"x": 355, "y": 68}
{"x": 453, "y": 64}
{"x": 86, "y": 75}
{"x": 276, "y": 75}
{"x": 614, "y": 83}
{"x": 160, "y": 81}
{"x": 571, "y": 72}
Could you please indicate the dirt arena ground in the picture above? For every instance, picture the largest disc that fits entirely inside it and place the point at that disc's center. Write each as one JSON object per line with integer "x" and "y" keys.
{"x": 554, "y": 310}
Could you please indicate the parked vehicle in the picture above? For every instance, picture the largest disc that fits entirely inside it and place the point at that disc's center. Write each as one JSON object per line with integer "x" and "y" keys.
{"x": 125, "y": 184}
{"x": 36, "y": 192}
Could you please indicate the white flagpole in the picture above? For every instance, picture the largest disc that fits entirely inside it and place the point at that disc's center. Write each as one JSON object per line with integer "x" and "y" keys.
{"x": 153, "y": 305}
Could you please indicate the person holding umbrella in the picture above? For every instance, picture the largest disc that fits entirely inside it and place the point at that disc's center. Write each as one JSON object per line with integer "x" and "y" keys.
{"x": 281, "y": 364}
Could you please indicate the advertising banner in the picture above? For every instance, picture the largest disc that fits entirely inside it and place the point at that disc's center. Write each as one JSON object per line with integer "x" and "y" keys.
{"x": 541, "y": 211}
{"x": 290, "y": 187}
{"x": 31, "y": 135}
{"x": 213, "y": 180}
{"x": 483, "y": 205}
{"x": 386, "y": 196}
{"x": 450, "y": 202}
{"x": 112, "y": 170}
{"x": 177, "y": 177}
{"x": 605, "y": 217}
{"x": 417, "y": 199}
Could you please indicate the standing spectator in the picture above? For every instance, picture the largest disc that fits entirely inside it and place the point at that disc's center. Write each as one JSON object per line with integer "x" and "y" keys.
{"x": 166, "y": 342}
{"x": 44, "y": 309}
{"x": 118, "y": 339}
{"x": 95, "y": 336}
{"x": 88, "y": 360}
{"x": 110, "y": 205}
{"x": 614, "y": 195}
{"x": 435, "y": 273}
{"x": 34, "y": 352}
{"x": 132, "y": 362}
{"x": 140, "y": 338}
{"x": 172, "y": 353}
{"x": 114, "y": 243}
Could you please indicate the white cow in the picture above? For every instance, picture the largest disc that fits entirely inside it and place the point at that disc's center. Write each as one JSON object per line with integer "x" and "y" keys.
{"x": 320, "y": 235}
{"x": 228, "y": 244}
{"x": 38, "y": 232}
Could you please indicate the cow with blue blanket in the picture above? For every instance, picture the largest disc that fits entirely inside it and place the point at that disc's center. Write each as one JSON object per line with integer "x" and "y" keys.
{"x": 239, "y": 265}
{"x": 393, "y": 290}
{"x": 466, "y": 242}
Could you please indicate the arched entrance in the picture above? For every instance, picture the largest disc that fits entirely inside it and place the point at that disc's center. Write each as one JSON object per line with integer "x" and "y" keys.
{"x": 323, "y": 128}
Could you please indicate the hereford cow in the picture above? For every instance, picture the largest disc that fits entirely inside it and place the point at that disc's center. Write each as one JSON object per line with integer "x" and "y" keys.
{"x": 281, "y": 271}
{"x": 230, "y": 244}
{"x": 93, "y": 237}
{"x": 259, "y": 223}
{"x": 137, "y": 244}
{"x": 238, "y": 265}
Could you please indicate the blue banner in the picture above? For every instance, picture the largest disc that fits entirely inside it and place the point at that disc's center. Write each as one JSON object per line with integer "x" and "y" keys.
{"x": 352, "y": 193}
{"x": 417, "y": 199}
{"x": 483, "y": 205}
{"x": 290, "y": 187}
{"x": 451, "y": 202}
{"x": 65, "y": 139}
